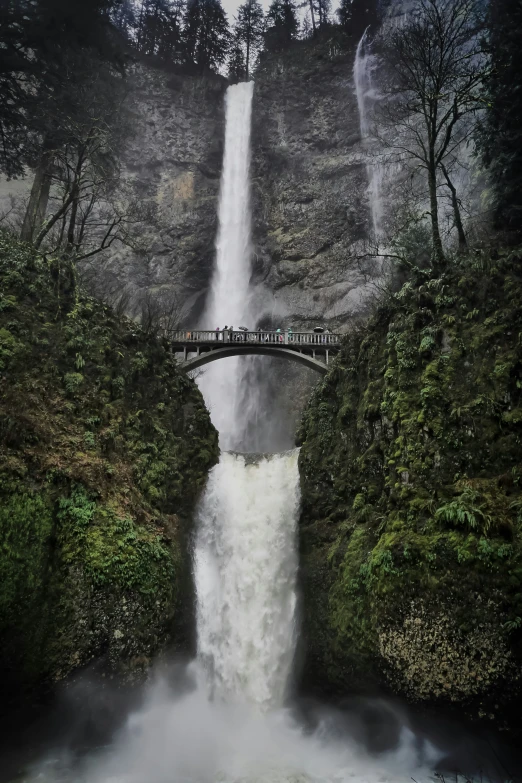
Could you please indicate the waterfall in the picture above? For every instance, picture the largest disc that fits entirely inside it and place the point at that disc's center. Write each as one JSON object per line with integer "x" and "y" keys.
{"x": 230, "y": 300}
{"x": 223, "y": 718}
{"x": 246, "y": 569}
{"x": 245, "y": 561}
{"x": 366, "y": 96}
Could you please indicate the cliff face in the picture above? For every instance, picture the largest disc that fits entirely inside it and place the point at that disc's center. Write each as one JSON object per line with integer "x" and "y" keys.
{"x": 309, "y": 181}
{"x": 104, "y": 446}
{"x": 310, "y": 208}
{"x": 411, "y": 532}
{"x": 172, "y": 161}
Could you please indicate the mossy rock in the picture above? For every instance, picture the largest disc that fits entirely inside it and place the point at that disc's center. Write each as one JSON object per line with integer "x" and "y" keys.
{"x": 105, "y": 446}
{"x": 411, "y": 528}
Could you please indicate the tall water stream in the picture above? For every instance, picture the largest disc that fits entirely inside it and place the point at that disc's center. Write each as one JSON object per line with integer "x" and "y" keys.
{"x": 232, "y": 720}
{"x": 363, "y": 69}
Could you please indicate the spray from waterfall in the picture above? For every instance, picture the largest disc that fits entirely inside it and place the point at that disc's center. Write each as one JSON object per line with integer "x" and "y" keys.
{"x": 366, "y": 95}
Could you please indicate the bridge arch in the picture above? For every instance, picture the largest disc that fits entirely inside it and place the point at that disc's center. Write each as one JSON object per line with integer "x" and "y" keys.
{"x": 205, "y": 357}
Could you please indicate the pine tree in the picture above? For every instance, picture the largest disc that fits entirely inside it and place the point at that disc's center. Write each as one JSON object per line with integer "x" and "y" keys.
{"x": 170, "y": 44}
{"x": 206, "y": 34}
{"x": 249, "y": 30}
{"x": 36, "y": 39}
{"x": 356, "y": 15}
{"x": 282, "y": 23}
{"x": 237, "y": 71}
{"x": 502, "y": 134}
{"x": 344, "y": 13}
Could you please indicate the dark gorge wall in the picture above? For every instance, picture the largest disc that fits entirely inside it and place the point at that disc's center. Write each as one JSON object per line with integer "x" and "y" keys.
{"x": 171, "y": 164}
{"x": 411, "y": 528}
{"x": 104, "y": 446}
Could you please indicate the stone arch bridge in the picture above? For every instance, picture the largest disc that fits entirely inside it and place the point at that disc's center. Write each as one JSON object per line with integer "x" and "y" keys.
{"x": 313, "y": 350}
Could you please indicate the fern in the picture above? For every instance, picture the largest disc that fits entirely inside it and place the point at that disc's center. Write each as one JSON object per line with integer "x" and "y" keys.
{"x": 469, "y": 510}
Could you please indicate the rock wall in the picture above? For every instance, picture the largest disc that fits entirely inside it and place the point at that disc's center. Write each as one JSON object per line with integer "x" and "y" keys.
{"x": 310, "y": 189}
{"x": 104, "y": 446}
{"x": 411, "y": 531}
{"x": 173, "y": 162}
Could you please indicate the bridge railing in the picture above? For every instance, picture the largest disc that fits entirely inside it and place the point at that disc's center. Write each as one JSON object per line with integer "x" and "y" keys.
{"x": 286, "y": 337}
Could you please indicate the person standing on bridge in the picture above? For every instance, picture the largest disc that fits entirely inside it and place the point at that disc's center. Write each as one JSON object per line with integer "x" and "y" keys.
{"x": 217, "y": 332}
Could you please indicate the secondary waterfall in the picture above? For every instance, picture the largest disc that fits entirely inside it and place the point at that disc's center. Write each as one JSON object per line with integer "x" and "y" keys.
{"x": 366, "y": 96}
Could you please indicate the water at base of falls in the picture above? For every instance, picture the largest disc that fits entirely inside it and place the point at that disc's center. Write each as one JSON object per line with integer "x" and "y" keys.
{"x": 224, "y": 718}
{"x": 191, "y": 739}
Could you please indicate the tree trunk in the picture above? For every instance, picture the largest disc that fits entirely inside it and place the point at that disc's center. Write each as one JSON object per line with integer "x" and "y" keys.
{"x": 463, "y": 243}
{"x": 52, "y": 221}
{"x": 313, "y": 16}
{"x": 39, "y": 198}
{"x": 439, "y": 259}
{"x": 72, "y": 219}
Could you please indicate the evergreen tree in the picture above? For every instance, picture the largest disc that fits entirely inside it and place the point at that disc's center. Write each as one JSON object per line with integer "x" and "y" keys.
{"x": 170, "y": 45}
{"x": 36, "y": 39}
{"x": 206, "y": 34}
{"x": 237, "y": 71}
{"x": 249, "y": 29}
{"x": 282, "y": 23}
{"x": 356, "y": 15}
{"x": 159, "y": 29}
{"x": 322, "y": 11}
{"x": 502, "y": 134}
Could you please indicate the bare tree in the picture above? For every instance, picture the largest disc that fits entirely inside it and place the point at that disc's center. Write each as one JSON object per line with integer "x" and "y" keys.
{"x": 436, "y": 66}
{"x": 89, "y": 207}
{"x": 161, "y": 310}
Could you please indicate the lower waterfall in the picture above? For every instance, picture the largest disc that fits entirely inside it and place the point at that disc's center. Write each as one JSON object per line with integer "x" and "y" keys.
{"x": 245, "y": 569}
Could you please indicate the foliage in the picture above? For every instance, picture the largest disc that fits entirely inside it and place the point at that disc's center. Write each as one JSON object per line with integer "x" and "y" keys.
{"x": 282, "y": 24}
{"x": 206, "y": 34}
{"x": 248, "y": 31}
{"x": 436, "y": 69}
{"x": 40, "y": 39}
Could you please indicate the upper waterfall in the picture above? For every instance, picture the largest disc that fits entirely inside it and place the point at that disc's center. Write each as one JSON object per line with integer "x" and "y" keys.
{"x": 229, "y": 301}
{"x": 230, "y": 298}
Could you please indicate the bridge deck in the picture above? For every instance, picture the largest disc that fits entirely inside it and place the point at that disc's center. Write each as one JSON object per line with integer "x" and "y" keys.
{"x": 192, "y": 339}
{"x": 209, "y": 346}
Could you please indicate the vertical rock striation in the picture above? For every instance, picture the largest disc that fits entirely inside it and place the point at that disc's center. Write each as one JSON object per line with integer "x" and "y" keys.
{"x": 310, "y": 188}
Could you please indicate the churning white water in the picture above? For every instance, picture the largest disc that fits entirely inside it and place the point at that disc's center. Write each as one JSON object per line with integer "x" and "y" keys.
{"x": 246, "y": 569}
{"x": 366, "y": 96}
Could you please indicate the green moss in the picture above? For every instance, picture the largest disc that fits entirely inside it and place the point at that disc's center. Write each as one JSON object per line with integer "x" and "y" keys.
{"x": 105, "y": 447}
{"x": 411, "y": 458}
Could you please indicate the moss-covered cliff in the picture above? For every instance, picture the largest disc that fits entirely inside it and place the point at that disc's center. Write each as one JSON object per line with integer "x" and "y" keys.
{"x": 104, "y": 447}
{"x": 411, "y": 531}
